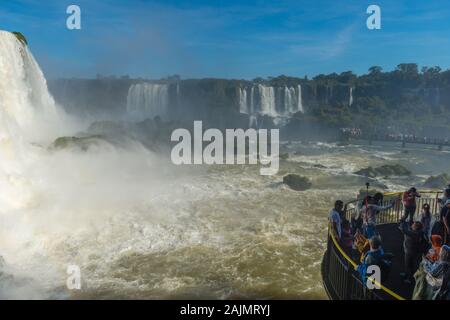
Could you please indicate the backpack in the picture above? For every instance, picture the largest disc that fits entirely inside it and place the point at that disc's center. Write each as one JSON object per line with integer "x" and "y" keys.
{"x": 382, "y": 262}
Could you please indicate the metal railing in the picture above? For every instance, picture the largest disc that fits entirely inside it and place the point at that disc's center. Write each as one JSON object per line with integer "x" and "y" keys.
{"x": 341, "y": 280}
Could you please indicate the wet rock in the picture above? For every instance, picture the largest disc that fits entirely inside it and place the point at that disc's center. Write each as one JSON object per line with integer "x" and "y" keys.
{"x": 437, "y": 182}
{"x": 296, "y": 182}
{"x": 385, "y": 170}
{"x": 83, "y": 143}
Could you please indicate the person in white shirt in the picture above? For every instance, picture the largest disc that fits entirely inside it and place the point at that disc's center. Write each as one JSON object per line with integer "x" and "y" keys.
{"x": 369, "y": 216}
{"x": 336, "y": 217}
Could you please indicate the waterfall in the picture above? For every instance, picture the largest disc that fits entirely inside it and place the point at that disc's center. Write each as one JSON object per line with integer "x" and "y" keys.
{"x": 350, "y": 100}
{"x": 271, "y": 101}
{"x": 148, "y": 100}
{"x": 29, "y": 121}
{"x": 299, "y": 99}
{"x": 26, "y": 107}
{"x": 267, "y": 100}
{"x": 243, "y": 105}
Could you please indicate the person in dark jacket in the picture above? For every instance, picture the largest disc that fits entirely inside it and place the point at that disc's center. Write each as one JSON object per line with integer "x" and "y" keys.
{"x": 409, "y": 203}
{"x": 415, "y": 245}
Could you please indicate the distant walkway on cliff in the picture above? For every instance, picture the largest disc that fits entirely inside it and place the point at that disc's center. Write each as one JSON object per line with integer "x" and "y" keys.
{"x": 357, "y": 134}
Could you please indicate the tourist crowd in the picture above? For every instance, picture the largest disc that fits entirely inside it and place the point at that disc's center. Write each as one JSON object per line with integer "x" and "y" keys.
{"x": 426, "y": 241}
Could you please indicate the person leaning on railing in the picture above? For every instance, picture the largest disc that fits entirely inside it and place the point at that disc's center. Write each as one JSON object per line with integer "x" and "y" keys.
{"x": 370, "y": 216}
{"x": 409, "y": 203}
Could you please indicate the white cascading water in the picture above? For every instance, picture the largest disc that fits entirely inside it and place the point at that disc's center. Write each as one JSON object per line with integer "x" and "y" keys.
{"x": 148, "y": 100}
{"x": 28, "y": 114}
{"x": 265, "y": 100}
{"x": 58, "y": 206}
{"x": 24, "y": 98}
{"x": 243, "y": 104}
{"x": 299, "y": 99}
{"x": 29, "y": 121}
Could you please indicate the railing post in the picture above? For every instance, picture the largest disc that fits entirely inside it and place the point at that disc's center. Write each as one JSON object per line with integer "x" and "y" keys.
{"x": 348, "y": 291}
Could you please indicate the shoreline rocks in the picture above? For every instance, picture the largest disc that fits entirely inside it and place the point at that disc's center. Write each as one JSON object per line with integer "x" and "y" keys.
{"x": 384, "y": 171}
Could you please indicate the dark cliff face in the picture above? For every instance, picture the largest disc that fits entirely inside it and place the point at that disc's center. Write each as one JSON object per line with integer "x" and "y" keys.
{"x": 90, "y": 97}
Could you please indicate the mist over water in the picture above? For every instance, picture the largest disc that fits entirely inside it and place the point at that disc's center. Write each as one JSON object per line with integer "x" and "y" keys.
{"x": 140, "y": 227}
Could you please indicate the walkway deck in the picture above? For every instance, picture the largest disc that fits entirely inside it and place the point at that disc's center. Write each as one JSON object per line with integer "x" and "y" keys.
{"x": 392, "y": 239}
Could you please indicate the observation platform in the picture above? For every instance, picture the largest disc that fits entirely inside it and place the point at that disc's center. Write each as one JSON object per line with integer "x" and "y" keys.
{"x": 343, "y": 282}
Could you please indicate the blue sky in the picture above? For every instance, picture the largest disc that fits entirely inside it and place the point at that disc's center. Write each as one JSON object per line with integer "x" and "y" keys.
{"x": 229, "y": 39}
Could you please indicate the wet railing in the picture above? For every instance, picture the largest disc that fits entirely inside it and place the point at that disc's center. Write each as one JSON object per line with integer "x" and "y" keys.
{"x": 341, "y": 280}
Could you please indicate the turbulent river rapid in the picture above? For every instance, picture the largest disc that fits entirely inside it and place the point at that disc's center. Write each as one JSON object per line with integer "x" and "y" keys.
{"x": 140, "y": 227}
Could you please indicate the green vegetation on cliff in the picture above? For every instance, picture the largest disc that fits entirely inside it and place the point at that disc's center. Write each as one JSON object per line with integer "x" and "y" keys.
{"x": 21, "y": 37}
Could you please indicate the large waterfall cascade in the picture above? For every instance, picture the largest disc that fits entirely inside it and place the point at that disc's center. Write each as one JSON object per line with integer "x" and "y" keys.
{"x": 26, "y": 107}
{"x": 148, "y": 100}
{"x": 271, "y": 101}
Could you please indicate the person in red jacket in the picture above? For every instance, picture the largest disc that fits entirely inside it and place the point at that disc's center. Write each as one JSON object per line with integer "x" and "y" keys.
{"x": 409, "y": 203}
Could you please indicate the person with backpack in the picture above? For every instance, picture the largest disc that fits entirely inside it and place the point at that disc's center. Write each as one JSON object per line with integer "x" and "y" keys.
{"x": 435, "y": 250}
{"x": 415, "y": 245}
{"x": 375, "y": 256}
{"x": 432, "y": 277}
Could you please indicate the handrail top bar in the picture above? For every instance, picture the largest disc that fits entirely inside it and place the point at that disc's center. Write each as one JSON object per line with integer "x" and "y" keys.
{"x": 398, "y": 193}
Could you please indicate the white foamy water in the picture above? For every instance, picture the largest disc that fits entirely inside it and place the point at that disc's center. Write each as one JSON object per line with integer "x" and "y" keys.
{"x": 139, "y": 227}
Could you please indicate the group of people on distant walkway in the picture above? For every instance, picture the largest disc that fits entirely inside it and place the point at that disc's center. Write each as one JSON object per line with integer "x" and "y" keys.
{"x": 426, "y": 241}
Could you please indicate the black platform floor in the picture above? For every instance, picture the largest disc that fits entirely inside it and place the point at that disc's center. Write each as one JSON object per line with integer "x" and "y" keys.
{"x": 392, "y": 240}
